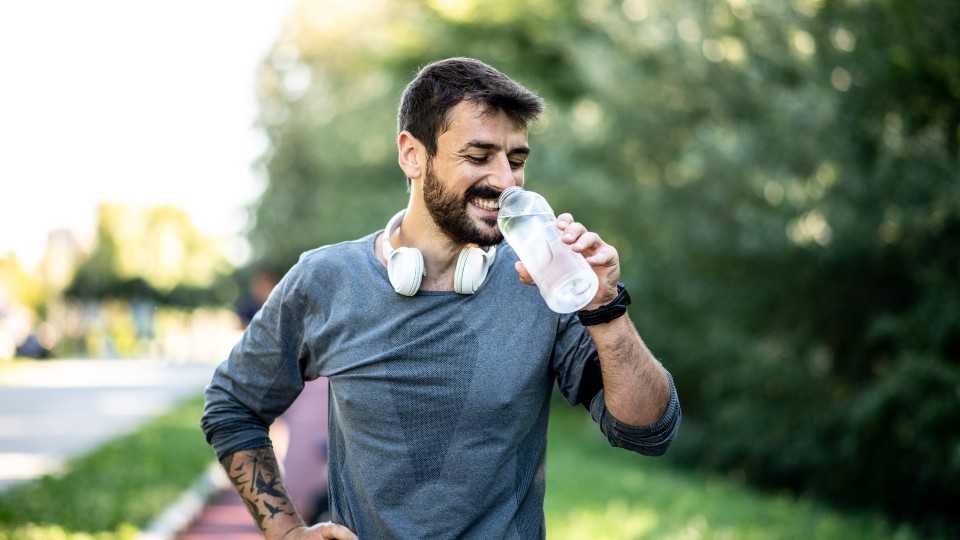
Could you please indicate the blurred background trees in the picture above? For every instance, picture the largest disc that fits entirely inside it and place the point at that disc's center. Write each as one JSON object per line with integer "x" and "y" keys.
{"x": 152, "y": 254}
{"x": 150, "y": 284}
{"x": 781, "y": 179}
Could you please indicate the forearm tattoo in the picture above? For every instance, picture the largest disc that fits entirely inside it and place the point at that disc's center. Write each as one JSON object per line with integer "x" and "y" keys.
{"x": 255, "y": 475}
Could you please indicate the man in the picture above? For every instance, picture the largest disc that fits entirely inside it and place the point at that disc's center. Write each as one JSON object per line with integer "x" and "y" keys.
{"x": 440, "y": 356}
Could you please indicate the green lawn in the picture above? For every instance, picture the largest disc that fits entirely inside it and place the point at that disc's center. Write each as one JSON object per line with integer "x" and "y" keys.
{"x": 116, "y": 490}
{"x": 598, "y": 492}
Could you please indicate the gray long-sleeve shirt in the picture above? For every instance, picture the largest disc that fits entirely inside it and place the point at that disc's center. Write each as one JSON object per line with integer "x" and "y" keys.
{"x": 438, "y": 402}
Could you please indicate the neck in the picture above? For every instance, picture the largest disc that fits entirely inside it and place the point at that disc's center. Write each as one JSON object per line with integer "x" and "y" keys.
{"x": 418, "y": 230}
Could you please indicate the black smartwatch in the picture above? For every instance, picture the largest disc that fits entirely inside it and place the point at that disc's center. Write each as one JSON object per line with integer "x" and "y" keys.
{"x": 607, "y": 312}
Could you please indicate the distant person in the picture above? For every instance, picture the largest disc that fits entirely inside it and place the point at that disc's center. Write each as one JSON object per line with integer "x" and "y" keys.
{"x": 32, "y": 347}
{"x": 38, "y": 344}
{"x": 439, "y": 393}
{"x": 250, "y": 302}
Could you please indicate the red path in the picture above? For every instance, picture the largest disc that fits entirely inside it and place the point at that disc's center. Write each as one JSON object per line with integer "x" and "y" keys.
{"x": 304, "y": 426}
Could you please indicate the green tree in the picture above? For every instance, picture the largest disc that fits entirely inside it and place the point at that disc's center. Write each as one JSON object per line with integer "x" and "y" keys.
{"x": 152, "y": 253}
{"x": 17, "y": 286}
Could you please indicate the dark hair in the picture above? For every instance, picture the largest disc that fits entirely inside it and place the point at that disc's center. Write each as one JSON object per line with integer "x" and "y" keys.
{"x": 442, "y": 85}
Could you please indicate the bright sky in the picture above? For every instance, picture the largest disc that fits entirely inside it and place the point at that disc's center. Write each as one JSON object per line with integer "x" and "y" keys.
{"x": 141, "y": 102}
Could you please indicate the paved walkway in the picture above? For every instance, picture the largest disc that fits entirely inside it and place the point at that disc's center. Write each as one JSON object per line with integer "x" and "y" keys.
{"x": 300, "y": 438}
{"x": 54, "y": 410}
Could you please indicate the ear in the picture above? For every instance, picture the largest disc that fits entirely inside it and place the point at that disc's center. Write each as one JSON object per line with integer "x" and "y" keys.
{"x": 412, "y": 155}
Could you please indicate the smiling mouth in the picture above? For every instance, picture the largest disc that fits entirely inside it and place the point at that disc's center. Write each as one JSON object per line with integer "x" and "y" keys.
{"x": 492, "y": 205}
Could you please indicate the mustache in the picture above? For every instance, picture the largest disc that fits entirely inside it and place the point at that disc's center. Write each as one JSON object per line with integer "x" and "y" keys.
{"x": 484, "y": 192}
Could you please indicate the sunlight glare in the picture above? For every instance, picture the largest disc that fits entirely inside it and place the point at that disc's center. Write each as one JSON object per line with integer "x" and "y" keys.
{"x": 130, "y": 103}
{"x": 616, "y": 521}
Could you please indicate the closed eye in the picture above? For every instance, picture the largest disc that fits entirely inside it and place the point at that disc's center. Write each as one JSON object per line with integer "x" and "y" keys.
{"x": 517, "y": 155}
{"x": 515, "y": 164}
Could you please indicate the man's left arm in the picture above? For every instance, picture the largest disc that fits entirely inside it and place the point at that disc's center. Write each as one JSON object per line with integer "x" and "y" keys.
{"x": 637, "y": 392}
{"x": 635, "y": 386}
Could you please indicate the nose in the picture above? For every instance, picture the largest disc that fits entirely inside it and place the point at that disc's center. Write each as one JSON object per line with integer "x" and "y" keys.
{"x": 504, "y": 176}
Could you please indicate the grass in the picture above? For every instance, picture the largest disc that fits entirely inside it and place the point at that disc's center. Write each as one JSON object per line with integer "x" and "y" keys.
{"x": 116, "y": 490}
{"x": 602, "y": 493}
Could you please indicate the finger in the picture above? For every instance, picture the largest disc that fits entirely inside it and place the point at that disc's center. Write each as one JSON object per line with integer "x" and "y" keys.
{"x": 572, "y": 232}
{"x": 606, "y": 256}
{"x": 333, "y": 531}
{"x": 525, "y": 276}
{"x": 587, "y": 243}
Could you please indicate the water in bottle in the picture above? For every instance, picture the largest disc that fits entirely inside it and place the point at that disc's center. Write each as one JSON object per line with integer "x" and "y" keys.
{"x": 565, "y": 279}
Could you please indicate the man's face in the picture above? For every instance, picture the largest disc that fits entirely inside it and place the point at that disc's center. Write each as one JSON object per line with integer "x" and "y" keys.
{"x": 478, "y": 157}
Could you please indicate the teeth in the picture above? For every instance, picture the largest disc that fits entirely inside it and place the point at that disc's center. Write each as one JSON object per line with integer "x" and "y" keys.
{"x": 486, "y": 204}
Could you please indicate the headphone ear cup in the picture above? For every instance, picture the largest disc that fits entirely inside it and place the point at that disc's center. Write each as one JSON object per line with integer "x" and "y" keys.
{"x": 472, "y": 267}
{"x": 405, "y": 268}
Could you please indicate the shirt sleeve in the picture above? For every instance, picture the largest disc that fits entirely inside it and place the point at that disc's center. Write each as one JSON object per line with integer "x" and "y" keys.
{"x": 574, "y": 356}
{"x": 576, "y": 365}
{"x": 263, "y": 375}
{"x": 652, "y": 440}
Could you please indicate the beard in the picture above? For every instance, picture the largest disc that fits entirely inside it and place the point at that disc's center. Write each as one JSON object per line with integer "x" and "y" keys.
{"x": 449, "y": 212}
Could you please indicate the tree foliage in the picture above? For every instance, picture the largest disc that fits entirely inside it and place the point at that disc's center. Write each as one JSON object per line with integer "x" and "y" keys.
{"x": 780, "y": 178}
{"x": 152, "y": 254}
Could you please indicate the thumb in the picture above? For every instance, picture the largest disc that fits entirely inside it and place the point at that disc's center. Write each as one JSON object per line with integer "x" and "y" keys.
{"x": 525, "y": 276}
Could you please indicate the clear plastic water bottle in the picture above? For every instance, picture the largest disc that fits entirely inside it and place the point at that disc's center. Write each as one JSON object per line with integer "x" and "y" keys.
{"x": 564, "y": 277}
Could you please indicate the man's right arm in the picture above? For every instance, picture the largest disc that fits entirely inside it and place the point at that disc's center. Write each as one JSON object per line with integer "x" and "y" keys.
{"x": 255, "y": 474}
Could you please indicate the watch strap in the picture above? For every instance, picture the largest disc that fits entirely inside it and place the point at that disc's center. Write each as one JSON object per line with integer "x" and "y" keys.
{"x": 608, "y": 312}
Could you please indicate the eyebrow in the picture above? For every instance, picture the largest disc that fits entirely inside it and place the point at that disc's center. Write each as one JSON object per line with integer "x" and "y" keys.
{"x": 492, "y": 146}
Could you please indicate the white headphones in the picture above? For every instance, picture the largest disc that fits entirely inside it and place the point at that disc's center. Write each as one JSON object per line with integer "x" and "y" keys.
{"x": 406, "y": 269}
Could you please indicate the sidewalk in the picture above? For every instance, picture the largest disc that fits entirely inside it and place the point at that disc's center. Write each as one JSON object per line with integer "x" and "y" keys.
{"x": 52, "y": 411}
{"x": 300, "y": 438}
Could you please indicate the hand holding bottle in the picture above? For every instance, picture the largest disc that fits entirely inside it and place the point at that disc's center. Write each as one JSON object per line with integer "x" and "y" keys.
{"x": 552, "y": 251}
